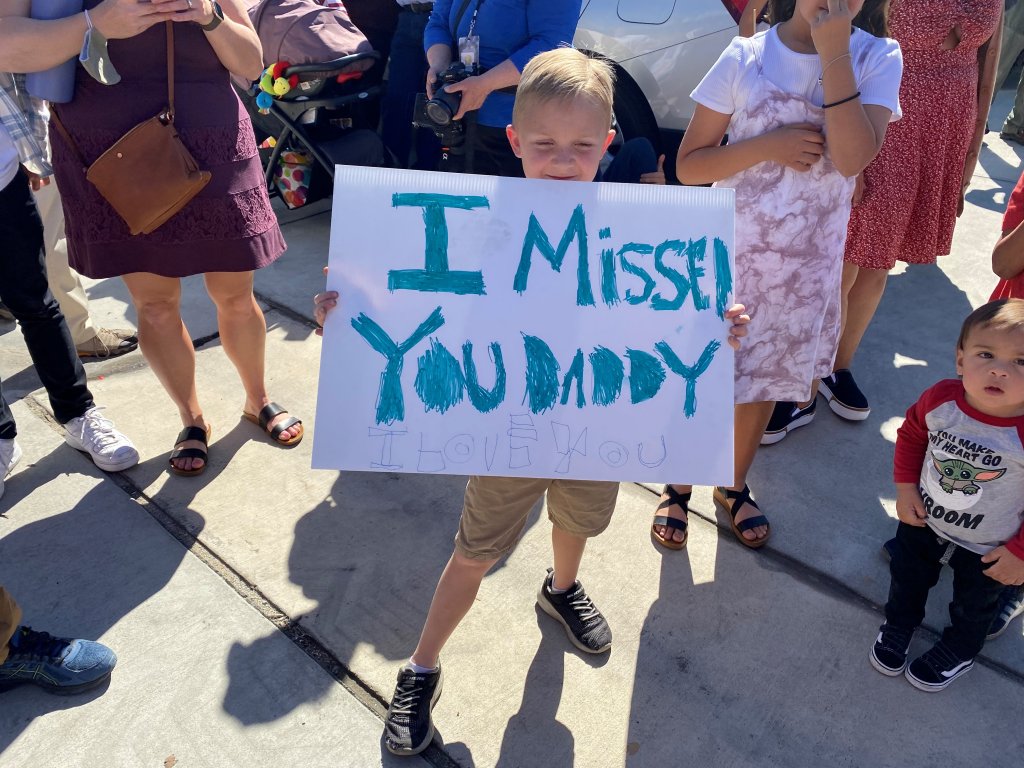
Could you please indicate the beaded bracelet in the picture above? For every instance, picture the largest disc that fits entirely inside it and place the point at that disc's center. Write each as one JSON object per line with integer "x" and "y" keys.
{"x": 841, "y": 101}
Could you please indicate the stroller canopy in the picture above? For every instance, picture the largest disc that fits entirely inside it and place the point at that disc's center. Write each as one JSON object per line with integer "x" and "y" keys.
{"x": 306, "y": 32}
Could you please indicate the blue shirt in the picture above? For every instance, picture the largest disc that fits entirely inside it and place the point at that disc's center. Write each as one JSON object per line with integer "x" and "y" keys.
{"x": 508, "y": 29}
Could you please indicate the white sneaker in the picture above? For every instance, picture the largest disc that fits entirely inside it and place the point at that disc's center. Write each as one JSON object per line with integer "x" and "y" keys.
{"x": 10, "y": 453}
{"x": 95, "y": 434}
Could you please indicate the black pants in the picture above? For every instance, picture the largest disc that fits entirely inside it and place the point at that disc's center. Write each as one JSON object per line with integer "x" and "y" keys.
{"x": 407, "y": 76}
{"x": 24, "y": 290}
{"x": 489, "y": 152}
{"x": 917, "y": 559}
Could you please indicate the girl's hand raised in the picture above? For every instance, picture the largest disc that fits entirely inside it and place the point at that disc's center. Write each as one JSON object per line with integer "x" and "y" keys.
{"x": 795, "y": 146}
{"x": 831, "y": 30}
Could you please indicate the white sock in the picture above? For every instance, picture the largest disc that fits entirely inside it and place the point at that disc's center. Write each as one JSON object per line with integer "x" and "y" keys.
{"x": 421, "y": 670}
{"x": 553, "y": 591}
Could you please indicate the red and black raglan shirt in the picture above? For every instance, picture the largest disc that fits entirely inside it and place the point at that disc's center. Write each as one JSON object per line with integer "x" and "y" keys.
{"x": 969, "y": 467}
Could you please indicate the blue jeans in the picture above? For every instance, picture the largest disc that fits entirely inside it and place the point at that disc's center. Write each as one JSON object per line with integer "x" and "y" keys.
{"x": 23, "y": 288}
{"x": 917, "y": 556}
{"x": 407, "y": 76}
{"x": 10, "y": 618}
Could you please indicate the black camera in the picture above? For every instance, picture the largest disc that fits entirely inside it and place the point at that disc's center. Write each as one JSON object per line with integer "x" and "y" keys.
{"x": 438, "y": 114}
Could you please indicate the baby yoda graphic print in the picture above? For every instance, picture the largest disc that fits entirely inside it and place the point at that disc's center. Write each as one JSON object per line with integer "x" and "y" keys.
{"x": 957, "y": 475}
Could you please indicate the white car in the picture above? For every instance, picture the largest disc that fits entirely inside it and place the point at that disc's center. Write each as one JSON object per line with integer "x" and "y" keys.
{"x": 661, "y": 49}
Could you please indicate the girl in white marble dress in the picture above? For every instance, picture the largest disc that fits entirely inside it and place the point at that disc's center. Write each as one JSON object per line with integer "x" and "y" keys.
{"x": 805, "y": 105}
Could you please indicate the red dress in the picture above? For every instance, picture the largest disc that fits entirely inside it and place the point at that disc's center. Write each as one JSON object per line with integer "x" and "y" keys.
{"x": 912, "y": 188}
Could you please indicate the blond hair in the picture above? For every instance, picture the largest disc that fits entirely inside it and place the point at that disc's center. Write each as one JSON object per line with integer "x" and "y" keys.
{"x": 564, "y": 74}
{"x": 1002, "y": 314}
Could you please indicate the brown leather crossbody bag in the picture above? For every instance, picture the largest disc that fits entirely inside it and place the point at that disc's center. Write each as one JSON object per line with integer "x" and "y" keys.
{"x": 148, "y": 175}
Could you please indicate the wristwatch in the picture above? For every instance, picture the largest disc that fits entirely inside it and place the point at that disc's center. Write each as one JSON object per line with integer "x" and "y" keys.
{"x": 218, "y": 17}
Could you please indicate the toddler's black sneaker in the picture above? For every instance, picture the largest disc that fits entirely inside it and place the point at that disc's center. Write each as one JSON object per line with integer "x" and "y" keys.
{"x": 936, "y": 668}
{"x": 584, "y": 624}
{"x": 408, "y": 728}
{"x": 844, "y": 396}
{"x": 889, "y": 653}
{"x": 1011, "y": 605}
{"x": 786, "y": 417}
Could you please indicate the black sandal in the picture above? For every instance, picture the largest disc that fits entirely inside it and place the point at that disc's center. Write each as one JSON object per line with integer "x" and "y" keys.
{"x": 732, "y": 501}
{"x": 191, "y": 433}
{"x": 675, "y": 499}
{"x": 267, "y": 414}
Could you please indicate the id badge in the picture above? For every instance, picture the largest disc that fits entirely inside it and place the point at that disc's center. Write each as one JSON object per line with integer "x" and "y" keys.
{"x": 469, "y": 51}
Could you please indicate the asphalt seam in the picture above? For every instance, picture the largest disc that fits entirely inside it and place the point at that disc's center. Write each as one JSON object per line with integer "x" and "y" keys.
{"x": 353, "y": 684}
{"x": 289, "y": 627}
{"x": 288, "y": 312}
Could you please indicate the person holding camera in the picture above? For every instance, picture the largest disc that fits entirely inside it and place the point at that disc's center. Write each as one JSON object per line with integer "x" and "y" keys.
{"x": 493, "y": 40}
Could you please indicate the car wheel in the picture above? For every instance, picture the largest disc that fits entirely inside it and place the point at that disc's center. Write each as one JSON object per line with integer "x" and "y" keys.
{"x": 633, "y": 115}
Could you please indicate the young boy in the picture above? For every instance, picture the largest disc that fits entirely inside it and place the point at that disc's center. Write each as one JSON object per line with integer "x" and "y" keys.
{"x": 959, "y": 472}
{"x": 561, "y": 127}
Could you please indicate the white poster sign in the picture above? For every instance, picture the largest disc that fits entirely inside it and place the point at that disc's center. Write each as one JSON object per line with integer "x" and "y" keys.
{"x": 527, "y": 328}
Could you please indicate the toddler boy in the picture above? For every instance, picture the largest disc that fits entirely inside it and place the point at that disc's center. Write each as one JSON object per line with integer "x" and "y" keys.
{"x": 959, "y": 472}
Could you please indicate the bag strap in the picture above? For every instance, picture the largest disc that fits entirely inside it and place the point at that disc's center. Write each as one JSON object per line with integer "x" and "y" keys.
{"x": 59, "y": 125}
{"x": 458, "y": 21}
{"x": 170, "y": 71}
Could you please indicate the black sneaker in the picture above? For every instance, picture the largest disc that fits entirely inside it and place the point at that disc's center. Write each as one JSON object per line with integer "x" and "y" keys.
{"x": 584, "y": 624}
{"x": 1011, "y": 605}
{"x": 936, "y": 668}
{"x": 844, "y": 396}
{"x": 408, "y": 729}
{"x": 889, "y": 653}
{"x": 888, "y": 549}
{"x": 786, "y": 417}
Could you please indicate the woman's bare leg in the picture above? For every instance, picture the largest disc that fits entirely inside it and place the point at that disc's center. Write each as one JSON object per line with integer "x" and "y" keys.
{"x": 168, "y": 349}
{"x": 243, "y": 334}
{"x": 862, "y": 301}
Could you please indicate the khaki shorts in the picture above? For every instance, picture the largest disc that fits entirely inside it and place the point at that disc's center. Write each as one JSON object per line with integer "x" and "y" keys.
{"x": 496, "y": 509}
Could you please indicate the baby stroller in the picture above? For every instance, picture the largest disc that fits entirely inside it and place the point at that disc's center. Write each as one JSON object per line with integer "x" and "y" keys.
{"x": 320, "y": 121}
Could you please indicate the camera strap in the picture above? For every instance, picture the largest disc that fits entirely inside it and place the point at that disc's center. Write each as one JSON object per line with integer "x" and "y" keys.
{"x": 459, "y": 16}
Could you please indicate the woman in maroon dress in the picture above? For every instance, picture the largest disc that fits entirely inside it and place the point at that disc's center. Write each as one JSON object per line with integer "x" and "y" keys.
{"x": 224, "y": 233}
{"x": 907, "y": 201}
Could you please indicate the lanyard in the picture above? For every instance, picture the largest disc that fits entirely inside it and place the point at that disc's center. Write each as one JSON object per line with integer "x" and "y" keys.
{"x": 472, "y": 21}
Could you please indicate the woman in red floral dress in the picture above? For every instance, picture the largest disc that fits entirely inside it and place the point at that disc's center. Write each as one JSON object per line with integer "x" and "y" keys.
{"x": 907, "y": 201}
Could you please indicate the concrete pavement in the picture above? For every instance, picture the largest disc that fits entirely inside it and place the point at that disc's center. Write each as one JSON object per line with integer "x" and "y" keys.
{"x": 267, "y": 628}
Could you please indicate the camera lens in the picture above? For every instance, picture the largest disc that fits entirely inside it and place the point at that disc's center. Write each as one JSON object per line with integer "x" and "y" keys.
{"x": 438, "y": 112}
